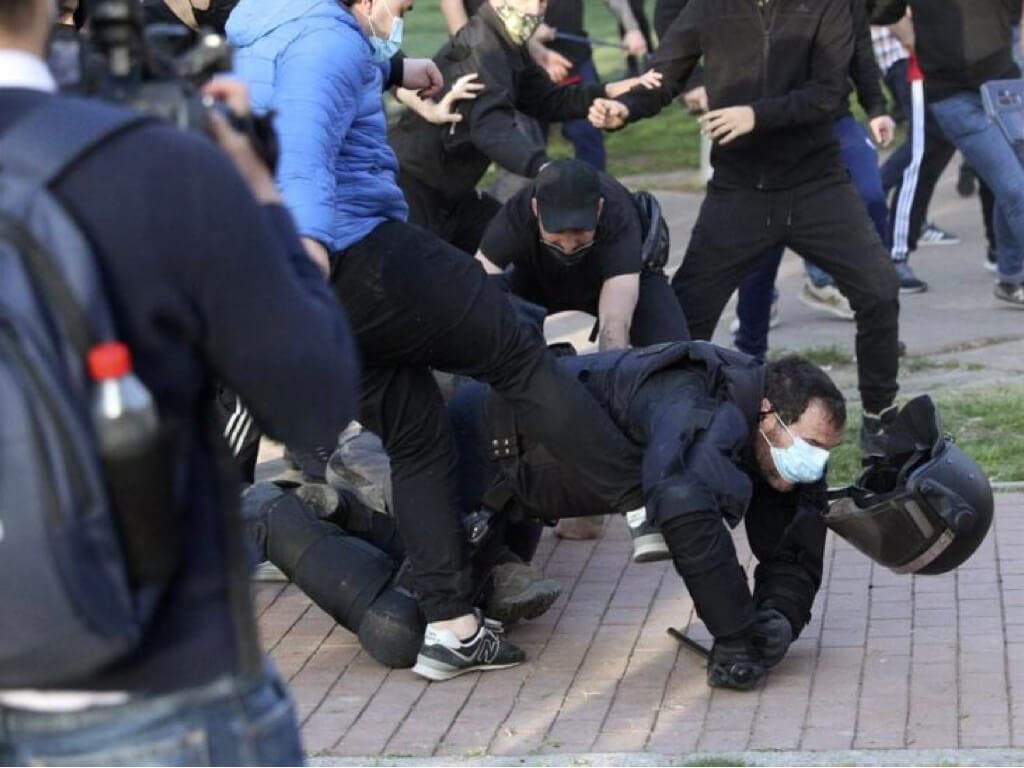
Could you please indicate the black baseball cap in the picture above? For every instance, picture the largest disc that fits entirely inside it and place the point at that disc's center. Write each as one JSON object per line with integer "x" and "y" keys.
{"x": 567, "y": 193}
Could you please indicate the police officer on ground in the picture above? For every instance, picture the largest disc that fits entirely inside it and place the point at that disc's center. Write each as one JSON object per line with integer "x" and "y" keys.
{"x": 576, "y": 239}
{"x": 776, "y": 73}
{"x": 174, "y": 224}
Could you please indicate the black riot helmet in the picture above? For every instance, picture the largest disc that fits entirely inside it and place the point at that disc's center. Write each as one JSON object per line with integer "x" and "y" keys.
{"x": 925, "y": 507}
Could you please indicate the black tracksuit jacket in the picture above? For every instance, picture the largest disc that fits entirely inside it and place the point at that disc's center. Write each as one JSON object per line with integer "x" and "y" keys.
{"x": 960, "y": 44}
{"x": 453, "y": 158}
{"x": 788, "y": 59}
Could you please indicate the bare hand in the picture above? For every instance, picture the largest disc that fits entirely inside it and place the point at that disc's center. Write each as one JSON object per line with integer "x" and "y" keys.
{"x": 556, "y": 65}
{"x": 422, "y": 76}
{"x": 650, "y": 79}
{"x": 237, "y": 145}
{"x": 883, "y": 129}
{"x": 634, "y": 43}
{"x": 724, "y": 125}
{"x": 608, "y": 114}
{"x": 696, "y": 100}
{"x": 465, "y": 88}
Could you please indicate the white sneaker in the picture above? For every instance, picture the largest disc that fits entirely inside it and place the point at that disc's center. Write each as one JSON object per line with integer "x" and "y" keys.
{"x": 648, "y": 543}
{"x": 827, "y": 298}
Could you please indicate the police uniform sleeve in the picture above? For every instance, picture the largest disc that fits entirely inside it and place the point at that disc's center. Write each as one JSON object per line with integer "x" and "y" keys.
{"x": 787, "y": 535}
{"x": 677, "y": 56}
{"x": 826, "y": 87}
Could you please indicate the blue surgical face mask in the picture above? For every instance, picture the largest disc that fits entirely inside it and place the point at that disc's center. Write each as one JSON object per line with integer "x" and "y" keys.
{"x": 384, "y": 50}
{"x": 799, "y": 463}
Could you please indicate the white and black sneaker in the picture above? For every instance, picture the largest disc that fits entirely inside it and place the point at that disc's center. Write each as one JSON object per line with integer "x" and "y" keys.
{"x": 443, "y": 656}
{"x": 648, "y": 543}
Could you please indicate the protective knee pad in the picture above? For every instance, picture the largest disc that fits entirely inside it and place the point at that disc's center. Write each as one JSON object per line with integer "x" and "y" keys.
{"x": 342, "y": 574}
{"x": 392, "y": 629}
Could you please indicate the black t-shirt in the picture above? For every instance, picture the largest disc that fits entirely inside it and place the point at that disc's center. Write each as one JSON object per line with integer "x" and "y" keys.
{"x": 513, "y": 237}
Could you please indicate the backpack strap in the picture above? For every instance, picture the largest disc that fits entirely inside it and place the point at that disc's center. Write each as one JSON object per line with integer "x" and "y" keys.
{"x": 41, "y": 146}
{"x": 50, "y": 138}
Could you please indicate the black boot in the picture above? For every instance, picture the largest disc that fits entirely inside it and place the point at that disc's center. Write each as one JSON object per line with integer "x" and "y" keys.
{"x": 735, "y": 663}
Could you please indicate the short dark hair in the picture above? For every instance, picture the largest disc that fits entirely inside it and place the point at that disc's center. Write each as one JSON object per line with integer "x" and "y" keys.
{"x": 793, "y": 382}
{"x": 17, "y": 15}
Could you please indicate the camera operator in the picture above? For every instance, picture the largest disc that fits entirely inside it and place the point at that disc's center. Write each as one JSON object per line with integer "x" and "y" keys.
{"x": 202, "y": 283}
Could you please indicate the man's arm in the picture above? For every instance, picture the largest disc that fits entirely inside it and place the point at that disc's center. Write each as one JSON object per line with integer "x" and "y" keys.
{"x": 615, "y": 309}
{"x": 863, "y": 67}
{"x": 787, "y": 535}
{"x": 885, "y": 12}
{"x": 676, "y": 57}
{"x": 549, "y": 102}
{"x": 823, "y": 94}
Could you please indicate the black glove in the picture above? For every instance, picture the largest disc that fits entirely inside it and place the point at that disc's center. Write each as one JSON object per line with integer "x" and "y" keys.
{"x": 772, "y": 635}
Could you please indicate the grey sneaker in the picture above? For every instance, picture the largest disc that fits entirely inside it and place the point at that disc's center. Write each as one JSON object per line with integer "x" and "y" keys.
{"x": 933, "y": 235}
{"x": 520, "y": 591}
{"x": 443, "y": 656}
{"x": 909, "y": 282}
{"x": 827, "y": 298}
{"x": 648, "y": 543}
{"x": 1010, "y": 293}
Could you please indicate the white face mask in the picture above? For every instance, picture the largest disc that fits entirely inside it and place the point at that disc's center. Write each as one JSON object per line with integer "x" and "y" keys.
{"x": 799, "y": 463}
{"x": 385, "y": 48}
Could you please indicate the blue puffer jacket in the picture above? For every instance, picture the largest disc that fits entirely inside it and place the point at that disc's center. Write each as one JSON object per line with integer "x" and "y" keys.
{"x": 310, "y": 62}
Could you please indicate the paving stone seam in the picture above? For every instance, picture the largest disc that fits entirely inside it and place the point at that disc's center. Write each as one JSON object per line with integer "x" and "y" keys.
{"x": 575, "y": 584}
{"x": 824, "y": 590}
{"x": 957, "y": 664}
{"x": 362, "y": 709}
{"x": 291, "y": 626}
{"x": 1002, "y": 621}
{"x": 280, "y": 590}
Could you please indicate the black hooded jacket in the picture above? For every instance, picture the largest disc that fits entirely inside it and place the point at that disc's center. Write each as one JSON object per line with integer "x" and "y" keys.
{"x": 788, "y": 59}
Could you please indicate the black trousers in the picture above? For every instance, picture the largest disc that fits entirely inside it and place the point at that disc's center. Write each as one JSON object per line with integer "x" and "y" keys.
{"x": 460, "y": 221}
{"x": 656, "y": 318}
{"x": 824, "y": 221}
{"x": 415, "y": 302}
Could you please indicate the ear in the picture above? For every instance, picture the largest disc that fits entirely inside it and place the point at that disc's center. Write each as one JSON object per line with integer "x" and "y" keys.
{"x": 767, "y": 409}
{"x": 533, "y": 205}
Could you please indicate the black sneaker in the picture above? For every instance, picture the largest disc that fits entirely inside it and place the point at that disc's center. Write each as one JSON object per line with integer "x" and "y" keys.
{"x": 909, "y": 282}
{"x": 735, "y": 663}
{"x": 443, "y": 656}
{"x": 873, "y": 438}
{"x": 1010, "y": 293}
{"x": 648, "y": 543}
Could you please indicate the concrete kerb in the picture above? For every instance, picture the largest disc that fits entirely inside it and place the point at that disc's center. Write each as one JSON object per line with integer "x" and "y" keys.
{"x": 895, "y": 757}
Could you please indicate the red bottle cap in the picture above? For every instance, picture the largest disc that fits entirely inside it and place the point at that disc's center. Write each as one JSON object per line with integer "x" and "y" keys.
{"x": 109, "y": 360}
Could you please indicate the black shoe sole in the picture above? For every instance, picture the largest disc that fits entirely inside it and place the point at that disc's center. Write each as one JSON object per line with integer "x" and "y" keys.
{"x": 529, "y": 604}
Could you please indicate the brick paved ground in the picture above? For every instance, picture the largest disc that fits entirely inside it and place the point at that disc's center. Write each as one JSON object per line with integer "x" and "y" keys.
{"x": 888, "y": 662}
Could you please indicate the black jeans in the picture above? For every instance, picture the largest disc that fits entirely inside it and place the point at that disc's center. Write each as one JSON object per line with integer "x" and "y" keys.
{"x": 823, "y": 221}
{"x": 415, "y": 302}
{"x": 460, "y": 221}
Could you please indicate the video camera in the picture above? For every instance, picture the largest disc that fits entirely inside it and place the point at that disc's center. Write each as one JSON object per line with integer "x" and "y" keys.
{"x": 156, "y": 68}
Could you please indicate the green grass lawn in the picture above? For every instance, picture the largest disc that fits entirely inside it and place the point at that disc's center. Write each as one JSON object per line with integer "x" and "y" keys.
{"x": 987, "y": 423}
{"x": 667, "y": 142}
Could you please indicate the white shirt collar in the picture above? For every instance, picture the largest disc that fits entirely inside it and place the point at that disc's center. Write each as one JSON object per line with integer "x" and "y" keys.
{"x": 20, "y": 69}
